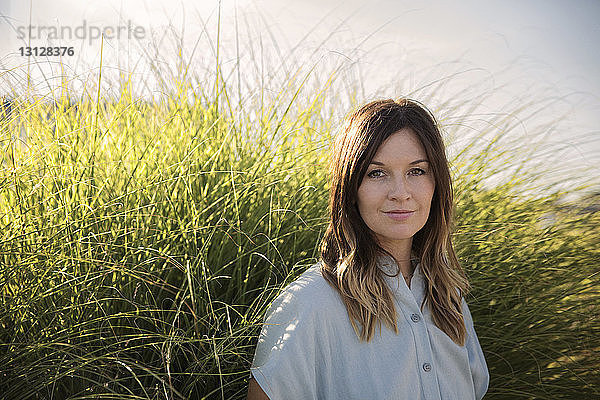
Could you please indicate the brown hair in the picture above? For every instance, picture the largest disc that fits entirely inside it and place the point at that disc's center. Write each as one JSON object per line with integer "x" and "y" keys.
{"x": 349, "y": 249}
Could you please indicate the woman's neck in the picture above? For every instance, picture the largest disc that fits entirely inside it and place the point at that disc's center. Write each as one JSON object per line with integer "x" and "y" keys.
{"x": 401, "y": 252}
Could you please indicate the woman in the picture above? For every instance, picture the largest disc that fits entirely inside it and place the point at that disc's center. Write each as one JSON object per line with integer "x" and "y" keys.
{"x": 387, "y": 256}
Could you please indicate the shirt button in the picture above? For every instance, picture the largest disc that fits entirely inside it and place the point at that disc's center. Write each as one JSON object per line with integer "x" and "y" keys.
{"x": 415, "y": 317}
{"x": 426, "y": 367}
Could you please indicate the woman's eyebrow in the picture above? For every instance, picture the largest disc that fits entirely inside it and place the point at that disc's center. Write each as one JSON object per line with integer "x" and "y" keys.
{"x": 411, "y": 163}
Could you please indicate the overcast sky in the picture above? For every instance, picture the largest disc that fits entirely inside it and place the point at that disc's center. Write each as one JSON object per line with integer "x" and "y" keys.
{"x": 555, "y": 41}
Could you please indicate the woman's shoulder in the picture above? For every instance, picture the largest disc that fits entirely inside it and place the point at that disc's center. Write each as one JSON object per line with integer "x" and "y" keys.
{"x": 310, "y": 285}
{"x": 307, "y": 292}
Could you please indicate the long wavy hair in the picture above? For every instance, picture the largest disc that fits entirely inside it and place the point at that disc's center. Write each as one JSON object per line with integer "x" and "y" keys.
{"x": 350, "y": 250}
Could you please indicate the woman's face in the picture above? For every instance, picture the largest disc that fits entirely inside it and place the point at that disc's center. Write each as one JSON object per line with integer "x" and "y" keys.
{"x": 395, "y": 194}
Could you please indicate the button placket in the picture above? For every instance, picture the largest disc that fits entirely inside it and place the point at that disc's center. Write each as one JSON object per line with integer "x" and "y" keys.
{"x": 408, "y": 300}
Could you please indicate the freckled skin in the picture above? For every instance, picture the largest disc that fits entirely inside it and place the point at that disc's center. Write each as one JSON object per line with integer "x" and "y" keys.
{"x": 392, "y": 183}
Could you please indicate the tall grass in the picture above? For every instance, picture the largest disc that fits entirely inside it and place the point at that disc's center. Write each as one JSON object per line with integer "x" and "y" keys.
{"x": 142, "y": 248}
{"x": 142, "y": 240}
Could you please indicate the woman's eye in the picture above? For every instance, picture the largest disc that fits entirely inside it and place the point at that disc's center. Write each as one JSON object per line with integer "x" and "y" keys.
{"x": 417, "y": 171}
{"x": 376, "y": 173}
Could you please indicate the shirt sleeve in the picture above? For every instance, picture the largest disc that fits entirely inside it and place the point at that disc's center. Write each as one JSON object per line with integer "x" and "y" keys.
{"x": 284, "y": 362}
{"x": 479, "y": 369}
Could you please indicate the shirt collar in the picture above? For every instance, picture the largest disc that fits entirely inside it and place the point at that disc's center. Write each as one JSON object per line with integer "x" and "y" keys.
{"x": 397, "y": 284}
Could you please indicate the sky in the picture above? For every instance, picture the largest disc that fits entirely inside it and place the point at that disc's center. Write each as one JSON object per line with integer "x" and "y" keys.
{"x": 502, "y": 53}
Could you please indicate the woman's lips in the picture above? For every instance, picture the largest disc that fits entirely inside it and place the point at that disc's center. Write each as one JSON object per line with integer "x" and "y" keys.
{"x": 399, "y": 215}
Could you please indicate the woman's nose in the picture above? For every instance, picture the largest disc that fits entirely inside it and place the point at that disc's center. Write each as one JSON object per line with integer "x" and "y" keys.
{"x": 399, "y": 189}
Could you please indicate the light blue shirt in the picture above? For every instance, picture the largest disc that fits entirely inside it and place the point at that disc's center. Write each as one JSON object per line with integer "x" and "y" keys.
{"x": 307, "y": 348}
